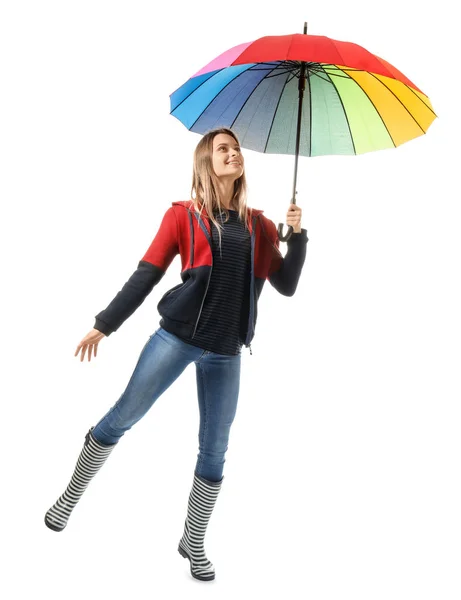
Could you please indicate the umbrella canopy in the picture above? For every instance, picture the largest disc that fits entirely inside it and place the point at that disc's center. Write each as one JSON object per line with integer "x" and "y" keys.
{"x": 304, "y": 94}
{"x": 354, "y": 101}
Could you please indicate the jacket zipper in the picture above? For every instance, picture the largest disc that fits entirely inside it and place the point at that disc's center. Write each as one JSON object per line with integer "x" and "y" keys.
{"x": 252, "y": 264}
{"x": 209, "y": 276}
{"x": 191, "y": 250}
{"x": 252, "y": 288}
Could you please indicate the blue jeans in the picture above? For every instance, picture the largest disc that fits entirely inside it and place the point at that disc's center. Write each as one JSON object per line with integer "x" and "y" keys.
{"x": 162, "y": 360}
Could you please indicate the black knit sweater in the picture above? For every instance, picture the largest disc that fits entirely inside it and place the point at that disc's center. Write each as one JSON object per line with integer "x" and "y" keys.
{"x": 223, "y": 321}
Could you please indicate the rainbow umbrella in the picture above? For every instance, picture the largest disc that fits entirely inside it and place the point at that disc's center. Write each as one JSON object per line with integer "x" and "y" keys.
{"x": 304, "y": 95}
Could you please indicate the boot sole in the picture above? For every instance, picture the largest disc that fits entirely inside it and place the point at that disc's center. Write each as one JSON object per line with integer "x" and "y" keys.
{"x": 184, "y": 554}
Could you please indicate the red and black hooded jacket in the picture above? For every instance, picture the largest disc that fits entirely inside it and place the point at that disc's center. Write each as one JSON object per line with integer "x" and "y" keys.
{"x": 183, "y": 231}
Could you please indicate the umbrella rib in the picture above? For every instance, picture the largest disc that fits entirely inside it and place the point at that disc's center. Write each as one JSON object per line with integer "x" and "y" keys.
{"x": 428, "y": 107}
{"x": 276, "y": 74}
{"x": 373, "y": 104}
{"x": 203, "y": 83}
{"x": 275, "y": 112}
{"x": 287, "y": 66}
{"x": 344, "y": 110}
{"x": 336, "y": 68}
{"x": 274, "y": 64}
{"x": 316, "y": 68}
{"x": 221, "y": 90}
{"x": 214, "y": 97}
{"x": 395, "y": 96}
{"x": 319, "y": 75}
{"x": 244, "y": 104}
{"x": 308, "y": 81}
{"x": 373, "y": 75}
{"x": 193, "y": 91}
{"x": 343, "y": 72}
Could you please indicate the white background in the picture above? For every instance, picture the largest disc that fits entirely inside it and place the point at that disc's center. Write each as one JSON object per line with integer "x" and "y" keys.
{"x": 342, "y": 474}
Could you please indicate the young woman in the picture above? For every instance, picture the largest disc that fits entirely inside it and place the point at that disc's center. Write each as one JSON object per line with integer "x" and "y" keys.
{"x": 227, "y": 250}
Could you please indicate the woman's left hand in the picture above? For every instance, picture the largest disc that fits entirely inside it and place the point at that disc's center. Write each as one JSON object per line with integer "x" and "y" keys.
{"x": 294, "y": 217}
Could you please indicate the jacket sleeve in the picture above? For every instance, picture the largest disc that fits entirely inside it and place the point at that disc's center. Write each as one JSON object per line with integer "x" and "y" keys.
{"x": 151, "y": 268}
{"x": 284, "y": 272}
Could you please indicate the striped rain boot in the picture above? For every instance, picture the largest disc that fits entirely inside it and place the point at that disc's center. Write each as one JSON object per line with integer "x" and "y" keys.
{"x": 200, "y": 506}
{"x": 91, "y": 459}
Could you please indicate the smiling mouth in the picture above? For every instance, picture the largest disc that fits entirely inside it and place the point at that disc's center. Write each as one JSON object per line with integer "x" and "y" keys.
{"x": 233, "y": 162}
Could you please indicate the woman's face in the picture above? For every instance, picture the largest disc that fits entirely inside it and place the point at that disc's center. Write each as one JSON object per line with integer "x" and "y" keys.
{"x": 227, "y": 158}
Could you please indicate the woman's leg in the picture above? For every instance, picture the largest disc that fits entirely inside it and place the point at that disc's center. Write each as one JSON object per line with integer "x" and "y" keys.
{"x": 218, "y": 383}
{"x": 162, "y": 360}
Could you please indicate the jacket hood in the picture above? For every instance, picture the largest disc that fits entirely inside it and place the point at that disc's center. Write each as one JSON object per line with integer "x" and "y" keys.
{"x": 190, "y": 205}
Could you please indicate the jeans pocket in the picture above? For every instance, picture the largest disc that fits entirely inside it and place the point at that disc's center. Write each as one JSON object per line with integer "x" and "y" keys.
{"x": 155, "y": 333}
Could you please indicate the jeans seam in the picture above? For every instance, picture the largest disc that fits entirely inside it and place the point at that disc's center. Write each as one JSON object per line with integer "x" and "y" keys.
{"x": 205, "y": 416}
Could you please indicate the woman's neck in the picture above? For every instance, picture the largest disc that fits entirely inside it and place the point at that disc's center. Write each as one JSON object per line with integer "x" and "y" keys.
{"x": 226, "y": 192}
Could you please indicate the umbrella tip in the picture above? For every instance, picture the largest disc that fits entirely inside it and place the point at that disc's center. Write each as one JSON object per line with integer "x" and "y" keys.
{"x": 305, "y": 26}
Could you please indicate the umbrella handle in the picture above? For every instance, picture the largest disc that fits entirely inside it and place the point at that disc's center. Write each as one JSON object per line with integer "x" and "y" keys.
{"x": 284, "y": 238}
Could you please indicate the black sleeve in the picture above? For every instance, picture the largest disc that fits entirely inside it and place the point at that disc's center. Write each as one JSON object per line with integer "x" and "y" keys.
{"x": 285, "y": 278}
{"x": 129, "y": 298}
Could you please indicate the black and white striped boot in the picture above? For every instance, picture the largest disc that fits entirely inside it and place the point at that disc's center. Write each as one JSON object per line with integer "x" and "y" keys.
{"x": 91, "y": 459}
{"x": 200, "y": 506}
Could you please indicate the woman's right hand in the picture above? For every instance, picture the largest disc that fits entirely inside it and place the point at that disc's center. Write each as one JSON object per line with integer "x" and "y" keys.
{"x": 90, "y": 342}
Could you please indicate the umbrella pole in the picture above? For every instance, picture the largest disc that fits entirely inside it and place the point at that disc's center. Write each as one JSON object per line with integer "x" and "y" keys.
{"x": 301, "y": 88}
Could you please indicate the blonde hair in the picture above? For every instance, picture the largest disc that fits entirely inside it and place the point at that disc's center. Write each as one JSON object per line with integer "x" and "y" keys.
{"x": 205, "y": 188}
